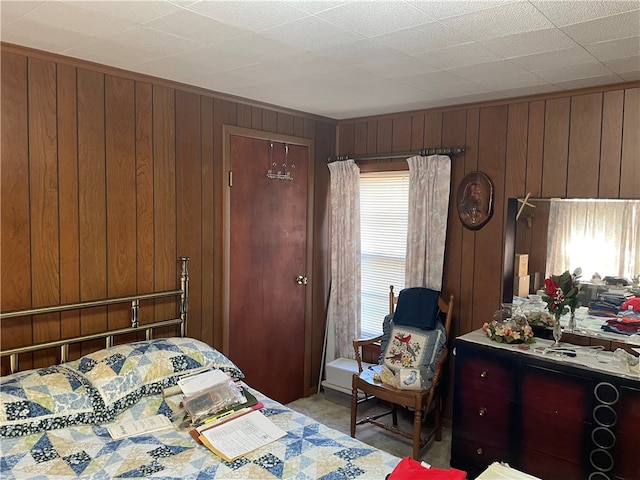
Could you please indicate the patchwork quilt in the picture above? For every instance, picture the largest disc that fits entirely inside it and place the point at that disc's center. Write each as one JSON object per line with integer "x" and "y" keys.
{"x": 310, "y": 450}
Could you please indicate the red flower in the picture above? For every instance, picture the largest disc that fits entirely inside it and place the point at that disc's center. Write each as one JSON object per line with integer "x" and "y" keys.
{"x": 550, "y": 285}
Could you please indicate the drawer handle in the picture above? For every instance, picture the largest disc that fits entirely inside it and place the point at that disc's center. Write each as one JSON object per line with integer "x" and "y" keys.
{"x": 483, "y": 374}
{"x": 479, "y": 451}
{"x": 482, "y": 412}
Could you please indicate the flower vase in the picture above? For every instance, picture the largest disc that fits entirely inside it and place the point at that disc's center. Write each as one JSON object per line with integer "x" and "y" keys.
{"x": 557, "y": 330}
{"x": 572, "y": 322}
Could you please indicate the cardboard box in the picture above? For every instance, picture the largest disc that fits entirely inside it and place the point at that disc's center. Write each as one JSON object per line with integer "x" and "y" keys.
{"x": 521, "y": 265}
{"x": 521, "y": 285}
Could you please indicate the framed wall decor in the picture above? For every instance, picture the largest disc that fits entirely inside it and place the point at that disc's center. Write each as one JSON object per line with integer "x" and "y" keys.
{"x": 475, "y": 200}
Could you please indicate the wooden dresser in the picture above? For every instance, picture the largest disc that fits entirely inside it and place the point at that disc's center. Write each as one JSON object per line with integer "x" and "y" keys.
{"x": 552, "y": 417}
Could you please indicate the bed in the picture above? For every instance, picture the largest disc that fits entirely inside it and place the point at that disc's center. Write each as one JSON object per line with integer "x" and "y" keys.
{"x": 53, "y": 420}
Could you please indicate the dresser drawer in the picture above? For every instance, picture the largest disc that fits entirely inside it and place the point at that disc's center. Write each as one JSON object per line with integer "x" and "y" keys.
{"x": 551, "y": 467}
{"x": 484, "y": 374}
{"x": 477, "y": 453}
{"x": 482, "y": 415}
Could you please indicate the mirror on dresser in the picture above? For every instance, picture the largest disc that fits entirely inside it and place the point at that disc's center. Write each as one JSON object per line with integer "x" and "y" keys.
{"x": 529, "y": 224}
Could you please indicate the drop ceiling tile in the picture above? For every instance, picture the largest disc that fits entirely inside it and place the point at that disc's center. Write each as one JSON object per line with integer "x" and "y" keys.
{"x": 249, "y": 15}
{"x": 603, "y": 29}
{"x": 587, "y": 82}
{"x": 158, "y": 44}
{"x": 371, "y": 19}
{"x": 112, "y": 53}
{"x": 134, "y": 11}
{"x": 503, "y": 20}
{"x": 470, "y": 53}
{"x": 217, "y": 59}
{"x": 264, "y": 49}
{"x": 529, "y": 90}
{"x": 563, "y": 13}
{"x": 630, "y": 76}
{"x": 43, "y": 37}
{"x": 360, "y": 51}
{"x": 557, "y": 58}
{"x": 569, "y": 73}
{"x": 511, "y": 81}
{"x": 195, "y": 27}
{"x": 311, "y": 33}
{"x": 9, "y": 11}
{"x": 399, "y": 66}
{"x": 613, "y": 49}
{"x": 316, "y": 6}
{"x": 527, "y": 43}
{"x": 487, "y": 71}
{"x": 423, "y": 38}
{"x": 624, "y": 65}
{"x": 68, "y": 17}
{"x": 439, "y": 9}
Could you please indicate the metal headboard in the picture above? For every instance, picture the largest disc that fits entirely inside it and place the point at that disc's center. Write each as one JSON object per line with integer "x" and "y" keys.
{"x": 183, "y": 293}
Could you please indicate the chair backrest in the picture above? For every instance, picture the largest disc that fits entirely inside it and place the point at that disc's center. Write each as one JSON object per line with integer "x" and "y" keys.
{"x": 444, "y": 307}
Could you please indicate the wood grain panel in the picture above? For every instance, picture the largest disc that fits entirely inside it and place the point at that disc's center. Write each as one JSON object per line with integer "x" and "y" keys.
{"x": 535, "y": 147}
{"x": 269, "y": 121}
{"x": 584, "y": 145}
{"x": 224, "y": 113}
{"x": 298, "y": 126}
{"x": 189, "y": 194}
{"x": 144, "y": 195}
{"x": 611, "y": 144}
{"x": 401, "y": 134}
{"x": 417, "y": 132}
{"x": 43, "y": 203}
{"x": 244, "y": 115}
{"x": 164, "y": 196}
{"x": 516, "y": 164}
{"x": 433, "y": 131}
{"x": 92, "y": 193}
{"x": 630, "y": 167}
{"x": 208, "y": 217}
{"x": 120, "y": 143}
{"x": 68, "y": 201}
{"x": 491, "y": 161}
{"x": 384, "y": 138}
{"x": 285, "y": 123}
{"x": 556, "y": 144}
{"x": 372, "y": 137}
{"x": 360, "y": 139}
{"x": 15, "y": 240}
{"x": 256, "y": 118}
{"x": 346, "y": 141}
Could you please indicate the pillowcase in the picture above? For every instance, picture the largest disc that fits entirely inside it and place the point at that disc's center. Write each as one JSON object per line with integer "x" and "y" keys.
{"x": 45, "y": 399}
{"x": 411, "y": 347}
{"x": 123, "y": 374}
{"x": 417, "y": 307}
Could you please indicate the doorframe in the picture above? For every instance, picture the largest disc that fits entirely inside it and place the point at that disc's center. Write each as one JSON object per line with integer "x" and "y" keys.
{"x": 226, "y": 178}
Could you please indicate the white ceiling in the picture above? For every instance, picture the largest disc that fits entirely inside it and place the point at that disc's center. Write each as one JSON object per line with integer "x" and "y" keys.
{"x": 346, "y": 58}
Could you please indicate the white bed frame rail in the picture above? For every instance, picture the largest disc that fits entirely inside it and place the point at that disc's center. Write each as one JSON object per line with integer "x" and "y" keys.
{"x": 183, "y": 293}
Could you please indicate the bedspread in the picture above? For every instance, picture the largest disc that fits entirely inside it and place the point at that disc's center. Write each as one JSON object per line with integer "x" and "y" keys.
{"x": 310, "y": 450}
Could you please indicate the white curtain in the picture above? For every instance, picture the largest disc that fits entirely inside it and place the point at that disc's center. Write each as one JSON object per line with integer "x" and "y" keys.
{"x": 429, "y": 185}
{"x": 343, "y": 313}
{"x": 596, "y": 236}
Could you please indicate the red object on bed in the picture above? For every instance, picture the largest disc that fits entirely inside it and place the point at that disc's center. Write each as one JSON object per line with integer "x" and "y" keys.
{"x": 410, "y": 469}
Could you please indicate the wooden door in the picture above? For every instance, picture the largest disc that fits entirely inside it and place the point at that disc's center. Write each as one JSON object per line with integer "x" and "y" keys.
{"x": 268, "y": 223}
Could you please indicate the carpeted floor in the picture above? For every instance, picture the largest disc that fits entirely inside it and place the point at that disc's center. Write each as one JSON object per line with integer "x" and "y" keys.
{"x": 338, "y": 415}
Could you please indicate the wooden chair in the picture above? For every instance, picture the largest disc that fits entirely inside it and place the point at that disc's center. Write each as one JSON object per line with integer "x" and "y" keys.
{"x": 422, "y": 402}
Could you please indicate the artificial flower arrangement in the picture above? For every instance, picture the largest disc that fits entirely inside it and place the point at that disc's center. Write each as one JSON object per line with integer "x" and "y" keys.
{"x": 561, "y": 292}
{"x": 509, "y": 332}
{"x": 541, "y": 319}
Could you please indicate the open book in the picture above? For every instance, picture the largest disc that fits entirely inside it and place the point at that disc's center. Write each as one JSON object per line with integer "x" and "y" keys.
{"x": 241, "y": 435}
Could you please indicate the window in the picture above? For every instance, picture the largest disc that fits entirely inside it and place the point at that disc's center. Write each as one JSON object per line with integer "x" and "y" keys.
{"x": 383, "y": 217}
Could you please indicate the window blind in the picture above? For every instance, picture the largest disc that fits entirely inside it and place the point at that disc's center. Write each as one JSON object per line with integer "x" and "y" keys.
{"x": 383, "y": 217}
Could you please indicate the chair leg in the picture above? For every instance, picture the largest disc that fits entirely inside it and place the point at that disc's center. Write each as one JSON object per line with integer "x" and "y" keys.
{"x": 438, "y": 425}
{"x": 354, "y": 410}
{"x": 417, "y": 428}
{"x": 394, "y": 414}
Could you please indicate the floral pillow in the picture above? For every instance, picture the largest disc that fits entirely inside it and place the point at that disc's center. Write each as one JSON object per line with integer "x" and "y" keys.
{"x": 411, "y": 347}
{"x": 125, "y": 373}
{"x": 45, "y": 399}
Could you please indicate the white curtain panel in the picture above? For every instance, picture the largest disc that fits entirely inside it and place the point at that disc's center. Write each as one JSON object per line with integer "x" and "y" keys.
{"x": 602, "y": 237}
{"x": 429, "y": 187}
{"x": 344, "y": 300}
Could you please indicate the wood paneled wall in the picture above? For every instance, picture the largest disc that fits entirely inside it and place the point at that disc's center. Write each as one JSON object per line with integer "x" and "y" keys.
{"x": 575, "y": 144}
{"x": 107, "y": 177}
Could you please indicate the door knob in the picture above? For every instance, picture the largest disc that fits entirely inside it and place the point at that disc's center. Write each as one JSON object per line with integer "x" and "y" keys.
{"x": 301, "y": 280}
